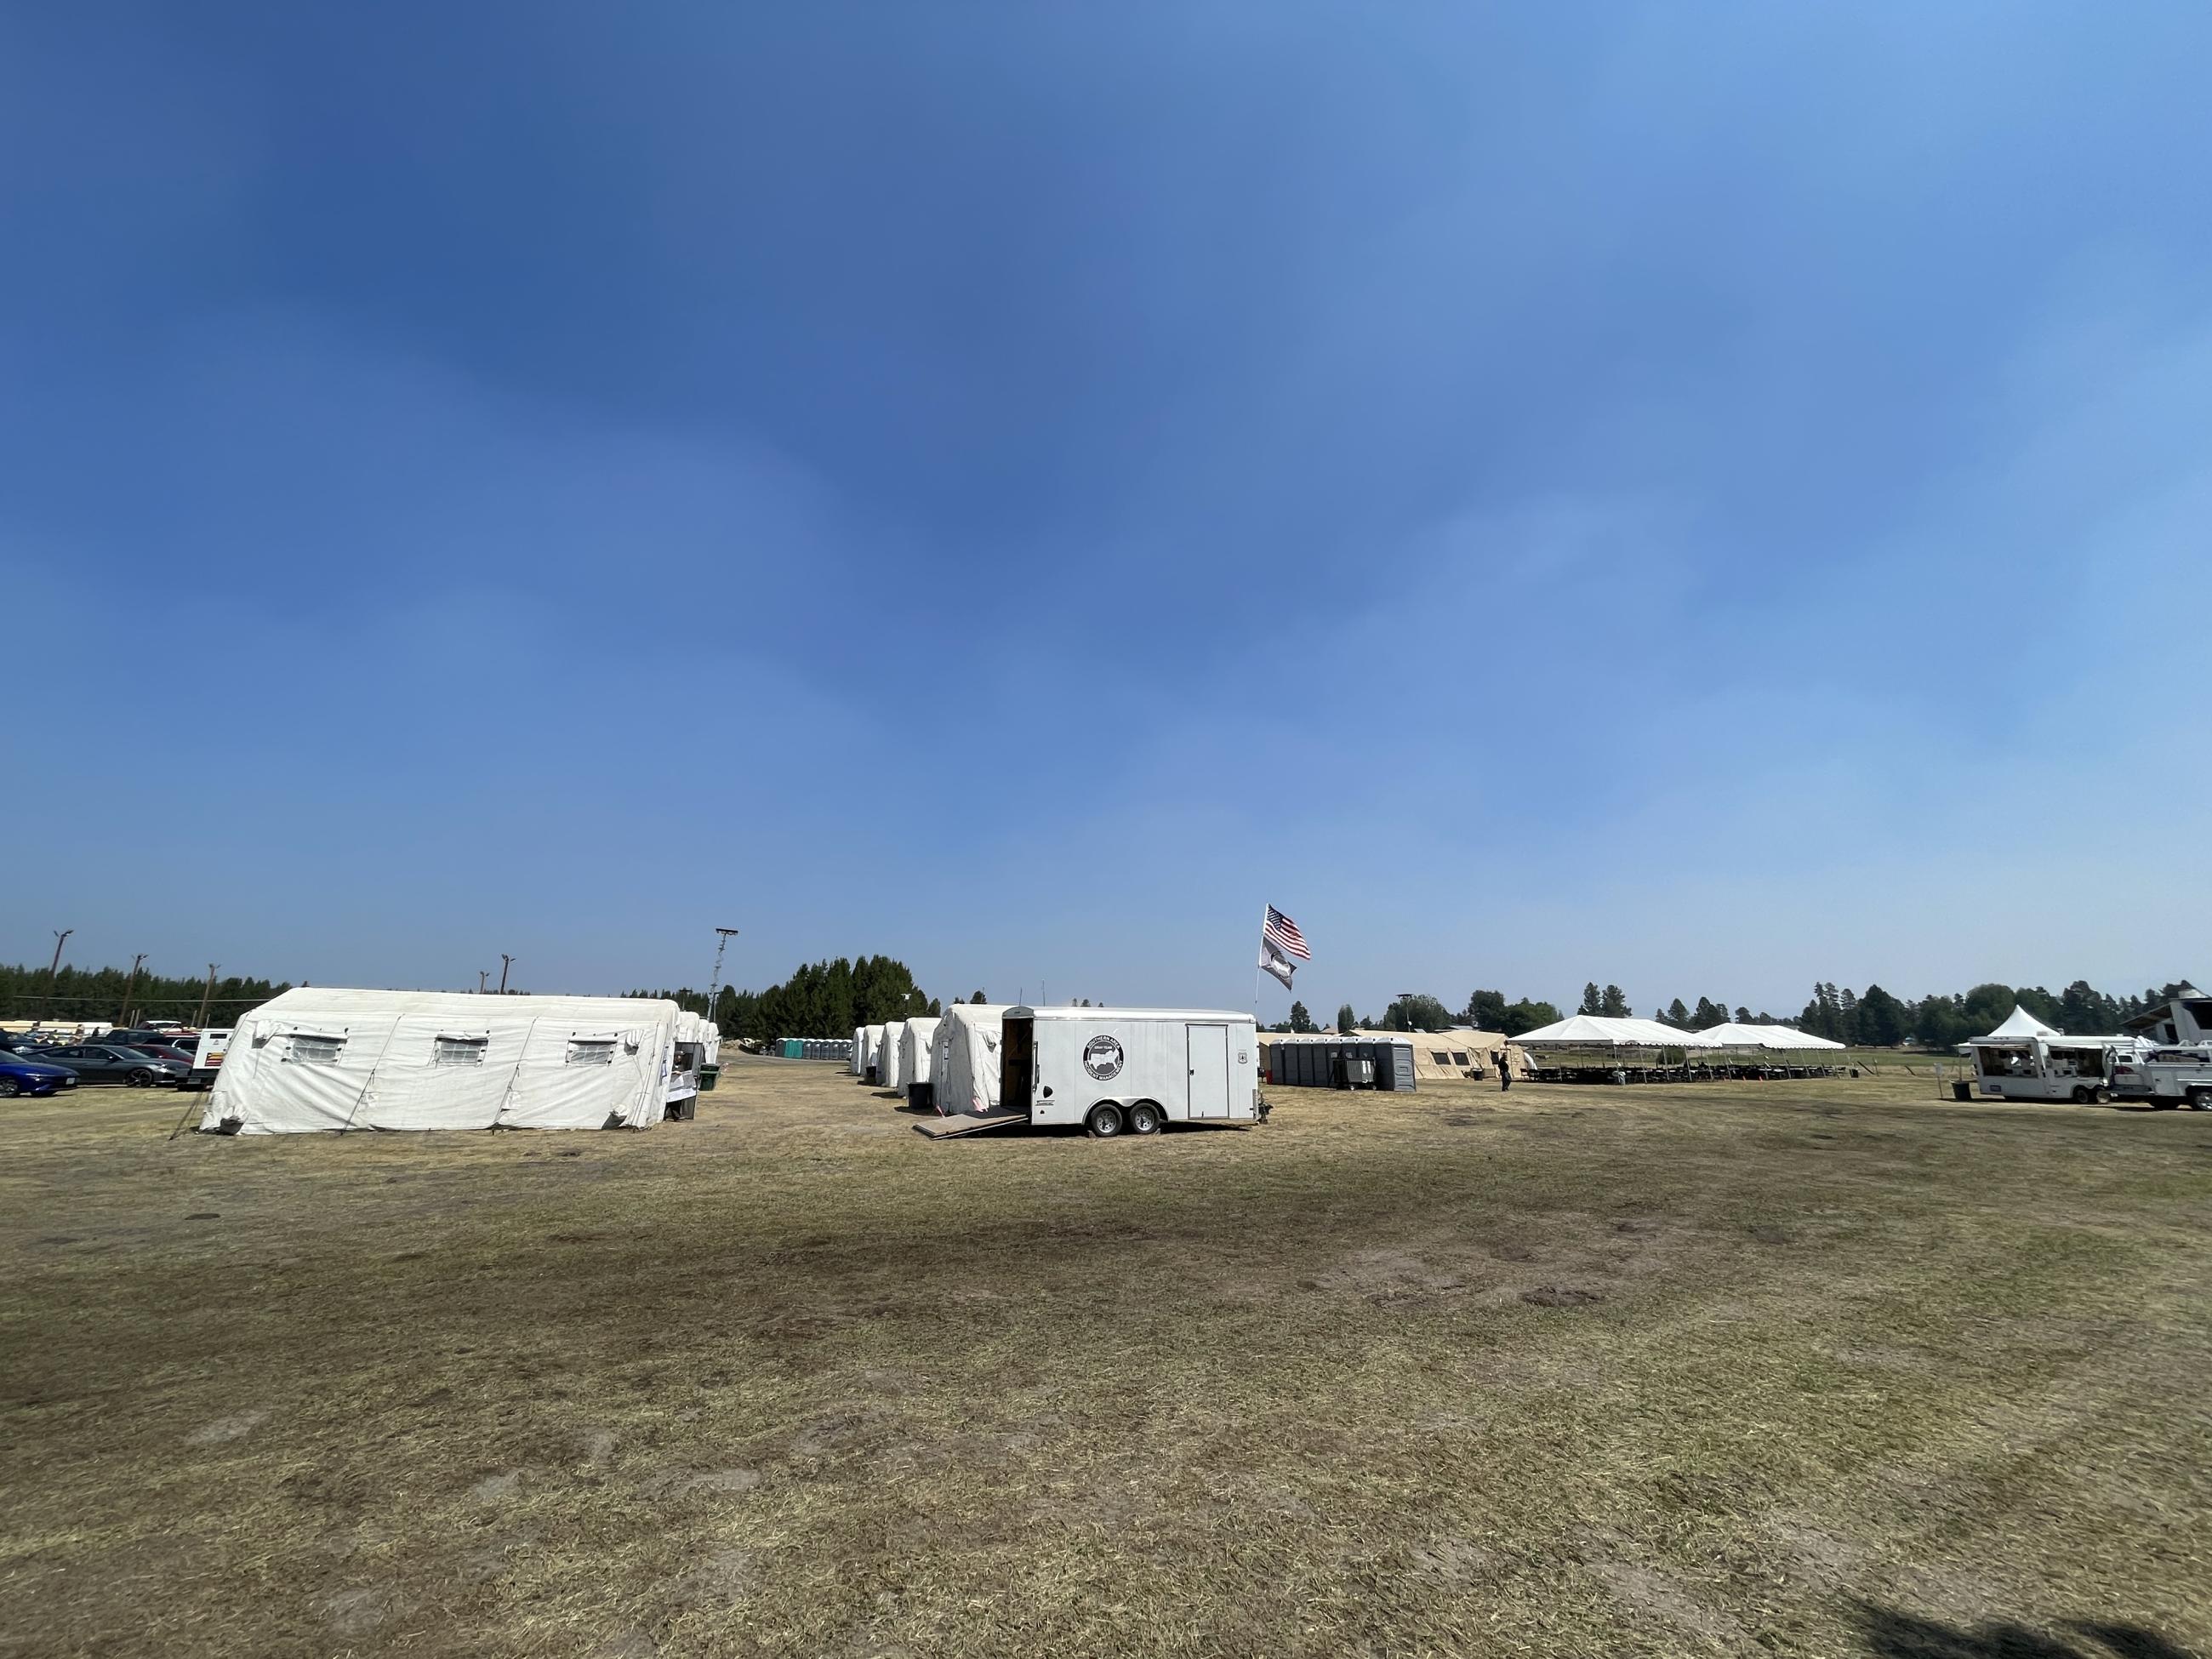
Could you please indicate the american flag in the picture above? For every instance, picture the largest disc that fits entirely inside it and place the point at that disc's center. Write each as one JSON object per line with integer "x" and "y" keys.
{"x": 1282, "y": 933}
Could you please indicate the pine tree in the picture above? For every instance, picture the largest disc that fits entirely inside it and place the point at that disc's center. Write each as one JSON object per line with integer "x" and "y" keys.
{"x": 1613, "y": 1004}
{"x": 1346, "y": 1019}
{"x": 1592, "y": 1003}
{"x": 1677, "y": 1015}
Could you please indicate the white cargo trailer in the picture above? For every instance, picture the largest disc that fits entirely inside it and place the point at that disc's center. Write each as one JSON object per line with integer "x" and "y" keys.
{"x": 1138, "y": 1069}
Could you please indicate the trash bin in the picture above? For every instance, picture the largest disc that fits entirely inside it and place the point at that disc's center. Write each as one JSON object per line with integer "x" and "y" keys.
{"x": 709, "y": 1076}
{"x": 1962, "y": 1091}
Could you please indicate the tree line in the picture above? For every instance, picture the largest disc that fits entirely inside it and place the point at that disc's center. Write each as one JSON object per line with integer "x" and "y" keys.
{"x": 73, "y": 996}
{"x": 820, "y": 999}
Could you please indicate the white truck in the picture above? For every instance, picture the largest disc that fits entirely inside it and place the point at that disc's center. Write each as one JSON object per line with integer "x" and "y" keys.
{"x": 2175, "y": 1065}
{"x": 2167, "y": 1077}
{"x": 1133, "y": 1069}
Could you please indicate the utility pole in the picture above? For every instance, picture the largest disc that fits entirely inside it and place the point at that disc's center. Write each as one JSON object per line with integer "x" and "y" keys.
{"x": 483, "y": 981}
{"x": 206, "y": 997}
{"x": 722, "y": 938}
{"x": 54, "y": 968}
{"x": 1406, "y": 1006}
{"x": 122, "y": 1017}
{"x": 505, "y": 962}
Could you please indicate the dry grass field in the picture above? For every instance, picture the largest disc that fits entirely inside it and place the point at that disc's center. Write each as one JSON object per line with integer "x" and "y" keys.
{"x": 1814, "y": 1368}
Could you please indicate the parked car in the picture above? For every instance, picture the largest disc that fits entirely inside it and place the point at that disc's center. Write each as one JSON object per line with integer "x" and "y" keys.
{"x": 103, "y": 1063}
{"x": 24, "y": 1074}
{"x": 165, "y": 1045}
{"x": 141, "y": 1036}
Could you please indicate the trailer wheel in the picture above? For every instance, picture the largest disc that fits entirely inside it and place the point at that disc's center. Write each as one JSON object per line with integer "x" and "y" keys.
{"x": 1145, "y": 1118}
{"x": 1104, "y": 1121}
{"x": 2081, "y": 1095}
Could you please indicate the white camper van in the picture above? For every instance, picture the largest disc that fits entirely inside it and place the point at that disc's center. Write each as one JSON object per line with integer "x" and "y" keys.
{"x": 1111, "y": 1069}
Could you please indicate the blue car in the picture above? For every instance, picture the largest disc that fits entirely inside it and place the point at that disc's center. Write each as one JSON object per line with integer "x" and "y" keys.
{"x": 21, "y": 1074}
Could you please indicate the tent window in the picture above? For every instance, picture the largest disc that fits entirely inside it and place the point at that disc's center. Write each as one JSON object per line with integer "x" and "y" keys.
{"x": 591, "y": 1051}
{"x": 1458, "y": 1059}
{"x": 313, "y": 1050}
{"x": 459, "y": 1051}
{"x": 1441, "y": 1058}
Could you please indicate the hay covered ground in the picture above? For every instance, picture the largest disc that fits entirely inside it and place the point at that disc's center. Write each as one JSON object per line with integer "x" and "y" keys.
{"x": 1813, "y": 1368}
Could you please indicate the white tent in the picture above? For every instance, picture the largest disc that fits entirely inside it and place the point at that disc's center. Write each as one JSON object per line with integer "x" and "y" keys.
{"x": 1597, "y": 1032}
{"x": 964, "y": 1058}
{"x": 1733, "y": 1035}
{"x": 888, "y": 1075}
{"x": 2019, "y": 1026}
{"x": 318, "y": 1058}
{"x": 697, "y": 1028}
{"x": 859, "y": 1051}
{"x": 872, "y": 1048}
{"x": 915, "y": 1040}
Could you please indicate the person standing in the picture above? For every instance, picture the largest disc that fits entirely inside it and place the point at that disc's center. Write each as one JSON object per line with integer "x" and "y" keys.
{"x": 1504, "y": 1069}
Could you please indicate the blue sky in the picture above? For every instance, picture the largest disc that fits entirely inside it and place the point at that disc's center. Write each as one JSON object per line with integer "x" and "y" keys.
{"x": 1700, "y": 497}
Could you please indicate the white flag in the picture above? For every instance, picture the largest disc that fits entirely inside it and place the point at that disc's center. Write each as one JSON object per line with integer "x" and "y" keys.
{"x": 1274, "y": 962}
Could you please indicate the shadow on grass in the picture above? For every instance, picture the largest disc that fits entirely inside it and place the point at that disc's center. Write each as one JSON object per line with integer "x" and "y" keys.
{"x": 1895, "y": 1635}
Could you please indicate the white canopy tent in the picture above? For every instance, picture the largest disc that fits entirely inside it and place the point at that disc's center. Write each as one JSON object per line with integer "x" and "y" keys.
{"x": 320, "y": 1058}
{"x": 964, "y": 1058}
{"x": 915, "y": 1040}
{"x": 1735, "y": 1036}
{"x": 2019, "y": 1026}
{"x": 888, "y": 1075}
{"x": 1598, "y": 1031}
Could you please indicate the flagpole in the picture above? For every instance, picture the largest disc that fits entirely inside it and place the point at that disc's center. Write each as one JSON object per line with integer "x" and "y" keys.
{"x": 1256, "y": 970}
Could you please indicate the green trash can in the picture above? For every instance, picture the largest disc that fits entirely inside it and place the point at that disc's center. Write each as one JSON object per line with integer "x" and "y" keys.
{"x": 709, "y": 1077}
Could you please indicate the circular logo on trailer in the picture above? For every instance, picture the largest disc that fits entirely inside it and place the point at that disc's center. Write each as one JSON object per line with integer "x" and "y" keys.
{"x": 1102, "y": 1058}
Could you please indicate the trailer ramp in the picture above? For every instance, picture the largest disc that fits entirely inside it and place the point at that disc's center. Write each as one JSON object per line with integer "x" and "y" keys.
{"x": 948, "y": 1128}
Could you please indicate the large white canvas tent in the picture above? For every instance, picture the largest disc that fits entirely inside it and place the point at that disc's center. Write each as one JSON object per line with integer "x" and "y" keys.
{"x": 697, "y": 1028}
{"x": 1736, "y": 1036}
{"x": 914, "y": 1039}
{"x": 859, "y": 1051}
{"x": 872, "y": 1048}
{"x": 318, "y": 1058}
{"x": 888, "y": 1075}
{"x": 964, "y": 1057}
{"x": 1598, "y": 1031}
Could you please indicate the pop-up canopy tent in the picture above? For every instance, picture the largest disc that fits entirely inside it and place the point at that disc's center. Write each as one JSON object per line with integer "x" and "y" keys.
{"x": 914, "y": 1039}
{"x": 2019, "y": 1026}
{"x": 1598, "y": 1031}
{"x": 888, "y": 1075}
{"x": 320, "y": 1058}
{"x": 963, "y": 1058}
{"x": 1735, "y": 1036}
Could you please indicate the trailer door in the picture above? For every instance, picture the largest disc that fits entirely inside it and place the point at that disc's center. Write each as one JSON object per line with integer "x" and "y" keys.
{"x": 1209, "y": 1071}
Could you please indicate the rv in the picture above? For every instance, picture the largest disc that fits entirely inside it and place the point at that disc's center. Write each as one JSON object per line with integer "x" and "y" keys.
{"x": 1138, "y": 1069}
